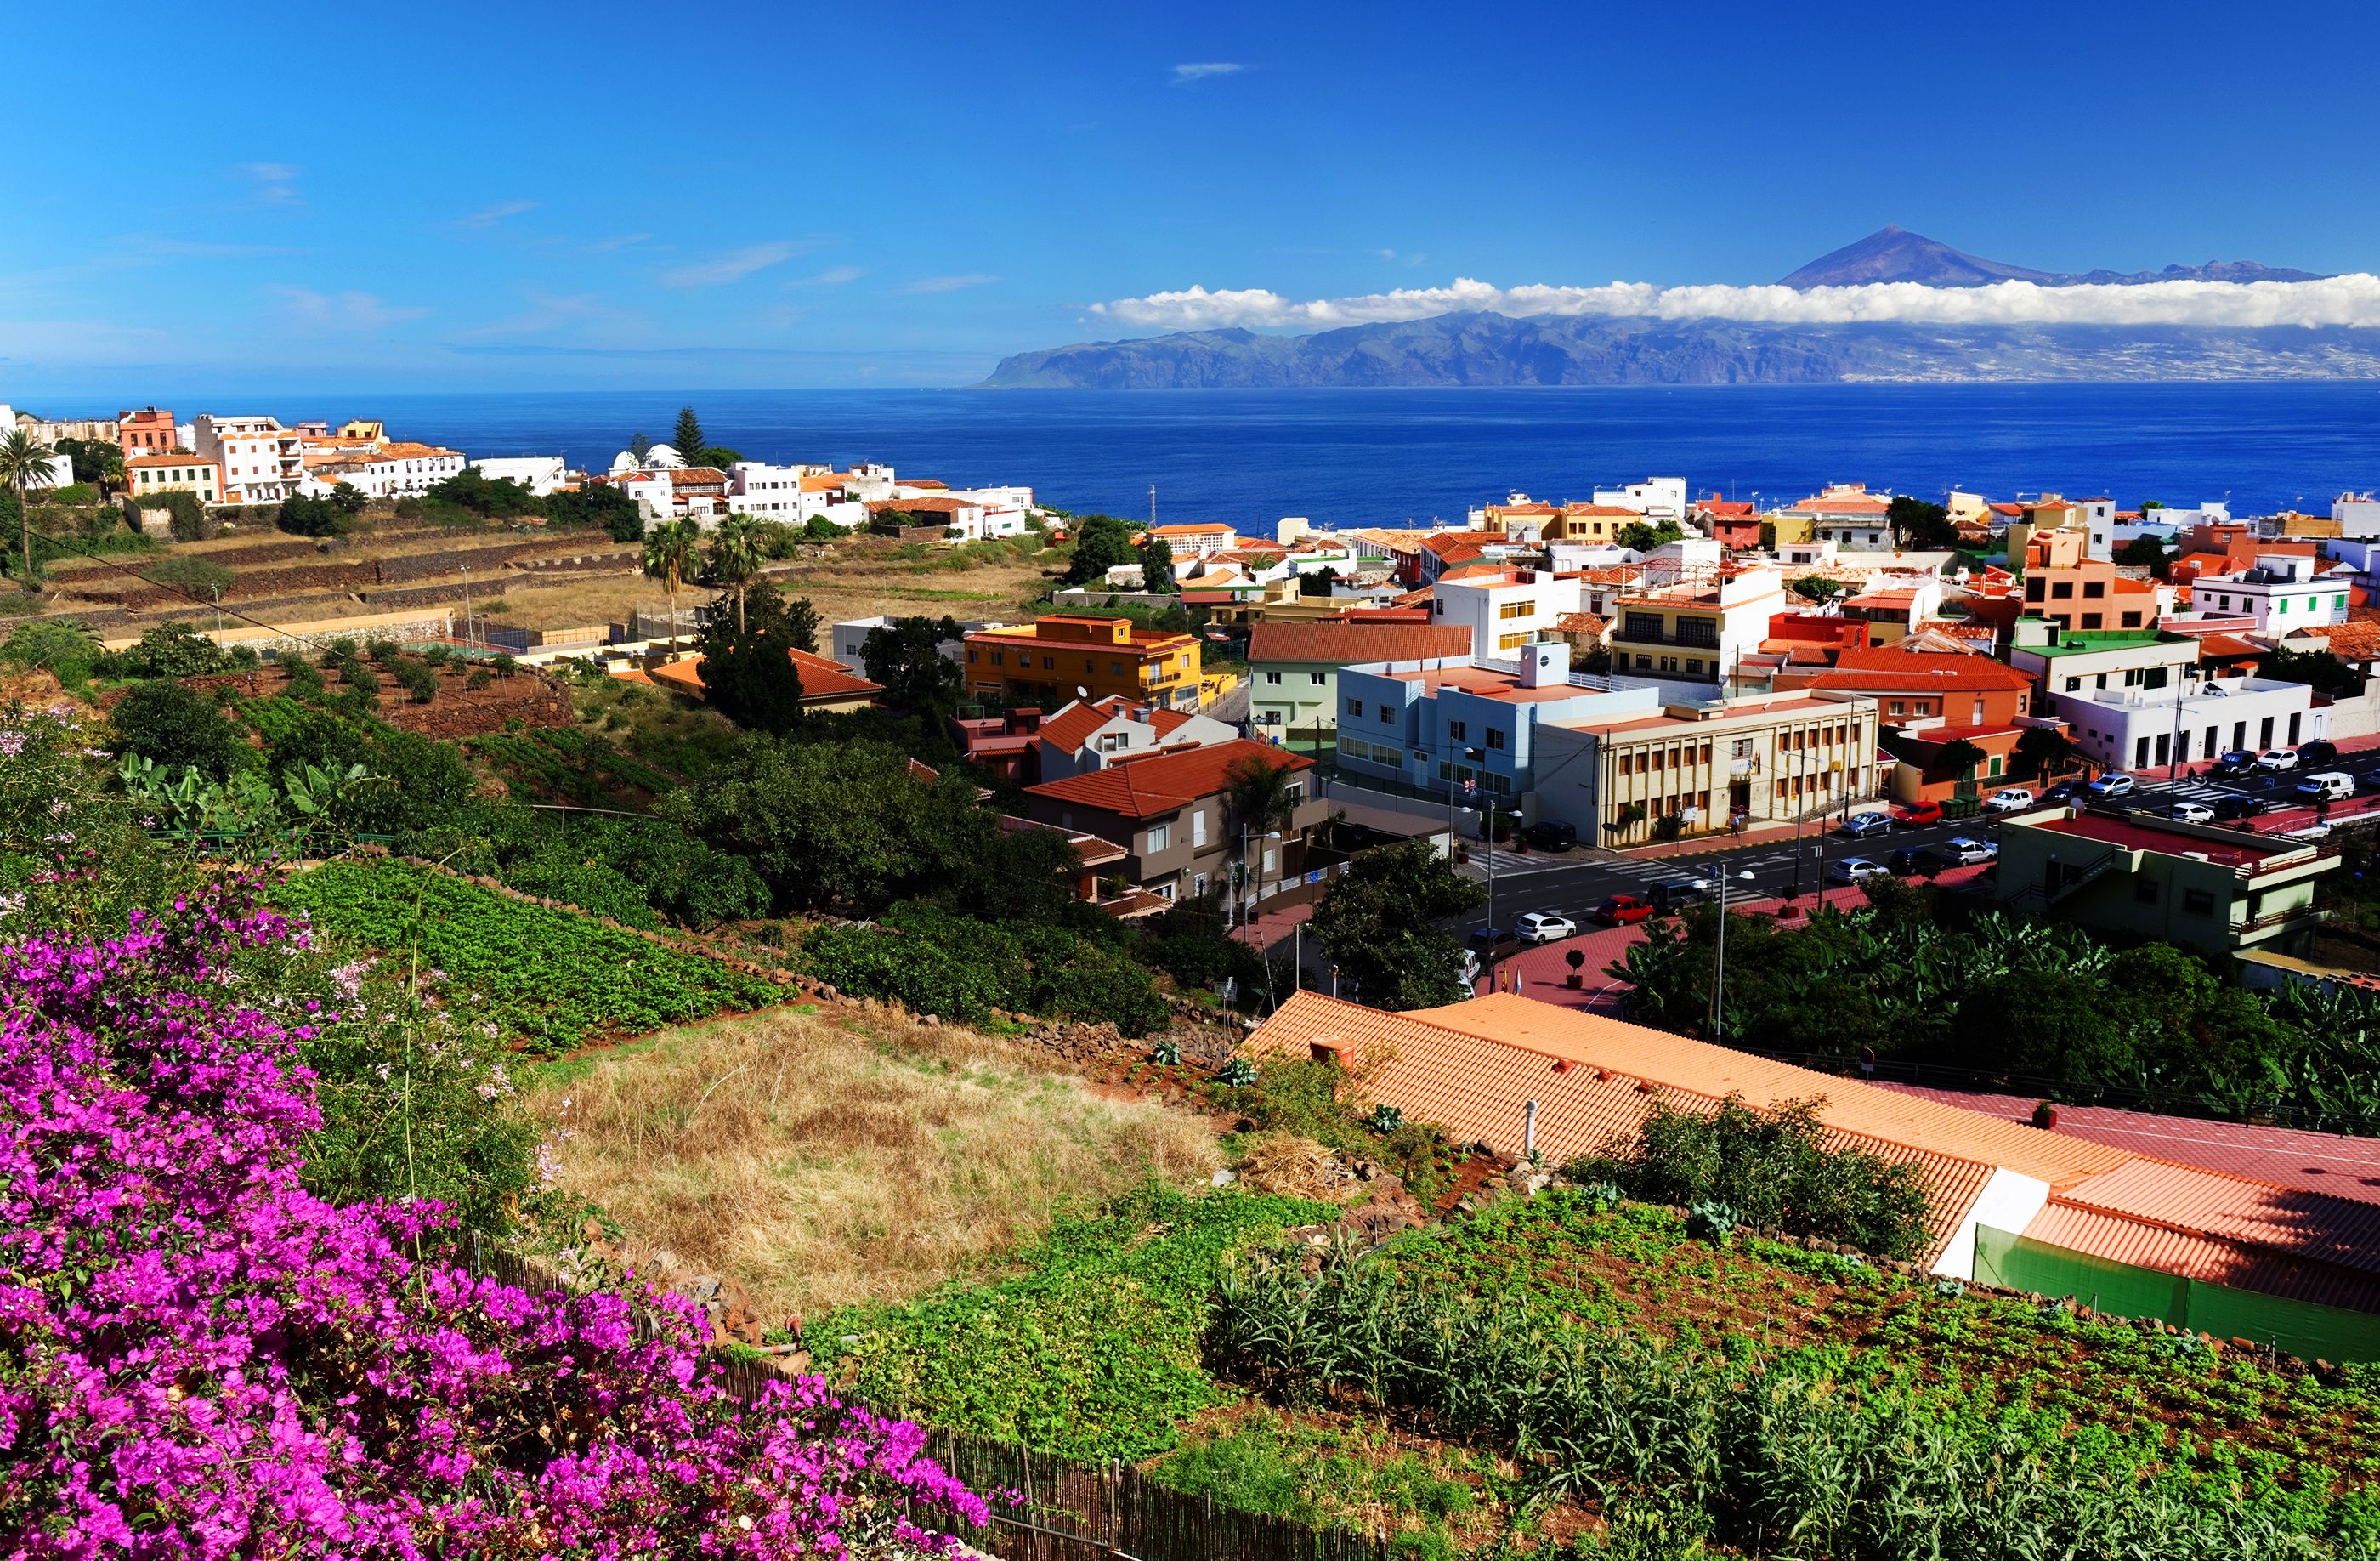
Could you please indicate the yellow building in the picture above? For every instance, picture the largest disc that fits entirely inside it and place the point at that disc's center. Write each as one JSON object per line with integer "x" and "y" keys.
{"x": 371, "y": 429}
{"x": 163, "y": 474}
{"x": 1061, "y": 658}
{"x": 1790, "y": 529}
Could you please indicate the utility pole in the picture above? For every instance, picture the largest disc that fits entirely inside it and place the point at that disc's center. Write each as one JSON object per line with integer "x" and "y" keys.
{"x": 467, "y": 606}
{"x": 216, "y": 591}
{"x": 1152, "y": 506}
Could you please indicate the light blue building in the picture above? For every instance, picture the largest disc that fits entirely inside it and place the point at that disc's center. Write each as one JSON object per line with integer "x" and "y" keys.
{"x": 1450, "y": 724}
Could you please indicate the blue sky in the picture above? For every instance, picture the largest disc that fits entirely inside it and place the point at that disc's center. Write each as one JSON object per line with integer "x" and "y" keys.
{"x": 539, "y": 196}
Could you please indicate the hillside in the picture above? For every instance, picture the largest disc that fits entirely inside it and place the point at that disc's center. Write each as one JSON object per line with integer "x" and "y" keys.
{"x": 1895, "y": 254}
{"x": 1495, "y": 349}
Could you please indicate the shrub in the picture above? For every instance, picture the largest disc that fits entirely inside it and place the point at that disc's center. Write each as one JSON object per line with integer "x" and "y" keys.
{"x": 62, "y": 647}
{"x": 174, "y": 649}
{"x": 1771, "y": 1167}
{"x": 176, "y": 725}
{"x": 479, "y": 678}
{"x": 305, "y": 516}
{"x": 193, "y": 575}
{"x": 385, "y": 652}
{"x": 186, "y": 519}
{"x": 418, "y": 680}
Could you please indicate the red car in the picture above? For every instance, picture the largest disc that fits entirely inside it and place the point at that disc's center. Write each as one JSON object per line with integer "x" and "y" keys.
{"x": 1622, "y": 911}
{"x": 1917, "y": 816}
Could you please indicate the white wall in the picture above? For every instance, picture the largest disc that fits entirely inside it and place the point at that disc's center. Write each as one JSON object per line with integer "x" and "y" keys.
{"x": 539, "y": 474}
{"x": 2009, "y": 1201}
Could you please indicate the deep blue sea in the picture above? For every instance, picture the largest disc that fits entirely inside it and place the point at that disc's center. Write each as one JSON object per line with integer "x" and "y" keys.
{"x": 1383, "y": 457}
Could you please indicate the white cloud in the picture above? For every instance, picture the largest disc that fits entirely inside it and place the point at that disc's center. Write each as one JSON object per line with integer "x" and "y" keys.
{"x": 491, "y": 215}
{"x": 620, "y": 241}
{"x": 2335, "y": 301}
{"x": 737, "y": 265}
{"x": 834, "y": 276}
{"x": 276, "y": 183}
{"x": 341, "y": 311}
{"x": 1185, "y": 74}
{"x": 946, "y": 283}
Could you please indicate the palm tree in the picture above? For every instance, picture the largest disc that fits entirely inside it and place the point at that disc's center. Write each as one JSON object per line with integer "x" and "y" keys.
{"x": 669, "y": 559}
{"x": 737, "y": 551}
{"x": 25, "y": 463}
{"x": 1259, "y": 793}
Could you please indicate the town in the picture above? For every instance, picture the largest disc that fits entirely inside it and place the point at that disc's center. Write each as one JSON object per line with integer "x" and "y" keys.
{"x": 1940, "y": 914}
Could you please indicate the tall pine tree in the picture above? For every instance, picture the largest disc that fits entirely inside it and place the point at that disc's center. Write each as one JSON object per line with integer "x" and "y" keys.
{"x": 690, "y": 441}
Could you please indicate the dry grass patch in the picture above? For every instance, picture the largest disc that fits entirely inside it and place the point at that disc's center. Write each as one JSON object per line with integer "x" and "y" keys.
{"x": 820, "y": 1165}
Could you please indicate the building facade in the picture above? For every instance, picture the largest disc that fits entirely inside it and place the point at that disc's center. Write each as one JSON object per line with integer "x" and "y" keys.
{"x": 163, "y": 473}
{"x": 1693, "y": 625}
{"x": 1294, "y": 667}
{"x": 1172, "y": 814}
{"x": 1058, "y": 659}
{"x": 2192, "y": 721}
{"x": 2215, "y": 889}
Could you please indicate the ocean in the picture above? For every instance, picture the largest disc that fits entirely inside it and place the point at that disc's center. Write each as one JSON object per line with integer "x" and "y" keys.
{"x": 1388, "y": 456}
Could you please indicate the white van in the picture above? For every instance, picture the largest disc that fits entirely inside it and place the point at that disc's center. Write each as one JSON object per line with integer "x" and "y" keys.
{"x": 2329, "y": 785}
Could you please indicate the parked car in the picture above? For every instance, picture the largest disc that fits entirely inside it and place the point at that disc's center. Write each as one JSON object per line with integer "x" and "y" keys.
{"x": 1468, "y": 972}
{"x": 2327, "y": 786}
{"x": 2275, "y": 760}
{"x": 2064, "y": 791}
{"x": 1966, "y": 850}
{"x": 1859, "y": 826}
{"x": 2115, "y": 784}
{"x": 2231, "y": 808}
{"x": 1549, "y": 835}
{"x": 1850, "y": 870}
{"x": 2322, "y": 751}
{"x": 1917, "y": 816}
{"x": 2237, "y": 762}
{"x": 1544, "y": 926}
{"x": 2008, "y": 800}
{"x": 1622, "y": 911}
{"x": 1671, "y": 897}
{"x": 1915, "y": 862}
{"x": 1485, "y": 939}
{"x": 2191, "y": 813}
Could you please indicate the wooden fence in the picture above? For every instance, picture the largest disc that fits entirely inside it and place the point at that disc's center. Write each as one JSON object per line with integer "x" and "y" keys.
{"x": 1050, "y": 1509}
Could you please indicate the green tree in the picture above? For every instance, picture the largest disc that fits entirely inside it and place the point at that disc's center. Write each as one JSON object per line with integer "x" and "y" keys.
{"x": 905, "y": 656}
{"x": 1641, "y": 536}
{"x": 1318, "y": 582}
{"x": 1156, "y": 564}
{"x": 1920, "y": 526}
{"x": 2042, "y": 750}
{"x": 175, "y": 726}
{"x": 305, "y": 516}
{"x": 749, "y": 676}
{"x": 2319, "y": 670}
{"x": 62, "y": 647}
{"x": 348, "y": 497}
{"x": 499, "y": 497}
{"x": 846, "y": 827}
{"x": 174, "y": 649}
{"x": 97, "y": 461}
{"x": 689, "y": 440}
{"x": 793, "y": 616}
{"x": 670, "y": 549}
{"x": 738, "y": 548}
{"x": 818, "y": 528}
{"x": 2147, "y": 550}
{"x": 1377, "y": 923}
{"x": 1958, "y": 757}
{"x": 1262, "y": 791}
{"x": 25, "y": 463}
{"x": 1817, "y": 590}
{"x": 639, "y": 447}
{"x": 1103, "y": 543}
{"x": 597, "y": 505}
{"x": 718, "y": 455}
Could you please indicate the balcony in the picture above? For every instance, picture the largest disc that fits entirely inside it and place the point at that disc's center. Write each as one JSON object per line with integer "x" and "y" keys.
{"x": 1689, "y": 637}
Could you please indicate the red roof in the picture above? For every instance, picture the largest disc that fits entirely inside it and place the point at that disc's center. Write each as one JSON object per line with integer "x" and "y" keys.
{"x": 2132, "y": 837}
{"x": 1445, "y": 542}
{"x": 1891, "y": 670}
{"x": 1151, "y": 786}
{"x": 821, "y": 679}
{"x": 1070, "y": 728}
{"x": 1349, "y": 640}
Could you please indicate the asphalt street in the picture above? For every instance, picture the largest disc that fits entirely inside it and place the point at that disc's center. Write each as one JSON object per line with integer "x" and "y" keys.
{"x": 1574, "y": 882}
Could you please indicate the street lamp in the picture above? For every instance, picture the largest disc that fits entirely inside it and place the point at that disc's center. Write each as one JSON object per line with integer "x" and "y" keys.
{"x": 1719, "y": 973}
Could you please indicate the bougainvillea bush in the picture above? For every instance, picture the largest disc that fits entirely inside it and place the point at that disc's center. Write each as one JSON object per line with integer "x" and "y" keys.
{"x": 199, "y": 1358}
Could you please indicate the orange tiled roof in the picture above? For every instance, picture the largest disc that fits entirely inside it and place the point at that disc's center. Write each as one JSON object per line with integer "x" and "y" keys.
{"x": 821, "y": 679}
{"x": 1346, "y": 640}
{"x": 2358, "y": 641}
{"x": 1149, "y": 786}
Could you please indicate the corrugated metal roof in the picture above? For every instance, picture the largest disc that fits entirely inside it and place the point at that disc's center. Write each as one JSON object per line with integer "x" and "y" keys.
{"x": 2185, "y": 1198}
{"x": 1853, "y": 1105}
{"x": 2205, "y": 1258}
{"x": 1477, "y": 1086}
{"x": 2332, "y": 1162}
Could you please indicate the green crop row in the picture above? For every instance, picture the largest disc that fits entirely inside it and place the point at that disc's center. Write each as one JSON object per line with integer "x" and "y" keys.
{"x": 549, "y": 980}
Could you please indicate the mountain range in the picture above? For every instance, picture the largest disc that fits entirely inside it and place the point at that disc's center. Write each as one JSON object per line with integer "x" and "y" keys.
{"x": 1484, "y": 348}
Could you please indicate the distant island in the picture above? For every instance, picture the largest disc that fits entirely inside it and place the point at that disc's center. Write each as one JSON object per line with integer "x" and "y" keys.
{"x": 1483, "y": 349}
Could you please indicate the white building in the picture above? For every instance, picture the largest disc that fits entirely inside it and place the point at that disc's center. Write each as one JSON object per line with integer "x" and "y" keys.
{"x": 539, "y": 474}
{"x": 775, "y": 492}
{"x": 262, "y": 461}
{"x": 1093, "y": 734}
{"x": 661, "y": 458}
{"x": 2358, "y": 515}
{"x": 2282, "y": 591}
{"x": 379, "y": 469}
{"x": 1849, "y": 516}
{"x": 1504, "y": 610}
{"x": 2190, "y": 721}
{"x": 1656, "y": 498}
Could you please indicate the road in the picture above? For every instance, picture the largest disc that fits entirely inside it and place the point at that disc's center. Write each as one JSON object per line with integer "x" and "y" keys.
{"x": 1574, "y": 883}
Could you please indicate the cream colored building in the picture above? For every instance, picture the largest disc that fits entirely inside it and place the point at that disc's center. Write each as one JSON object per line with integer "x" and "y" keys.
{"x": 162, "y": 474}
{"x": 1764, "y": 757}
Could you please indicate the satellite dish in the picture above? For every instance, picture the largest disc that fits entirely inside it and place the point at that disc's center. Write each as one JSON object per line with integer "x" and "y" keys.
{"x": 1081, "y": 693}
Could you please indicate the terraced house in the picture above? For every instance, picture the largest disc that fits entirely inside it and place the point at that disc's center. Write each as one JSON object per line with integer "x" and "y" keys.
{"x": 1170, "y": 812}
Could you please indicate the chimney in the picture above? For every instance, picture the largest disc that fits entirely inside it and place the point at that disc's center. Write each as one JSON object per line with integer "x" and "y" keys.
{"x": 1545, "y": 664}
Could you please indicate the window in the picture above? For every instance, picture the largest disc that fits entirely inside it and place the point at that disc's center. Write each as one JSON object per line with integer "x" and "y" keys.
{"x": 2132, "y": 621}
{"x": 2091, "y": 620}
{"x": 1386, "y": 714}
{"x": 1512, "y": 642}
{"x": 1496, "y": 735}
{"x": 1113, "y": 742}
{"x": 2032, "y": 591}
{"x": 2074, "y": 685}
{"x": 1273, "y": 679}
{"x": 2094, "y": 588}
{"x": 1316, "y": 679}
{"x": 1456, "y": 730}
{"x": 1517, "y": 610}
{"x": 2198, "y": 902}
{"x": 2061, "y": 590}
{"x": 1161, "y": 836}
{"x": 1355, "y": 707}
